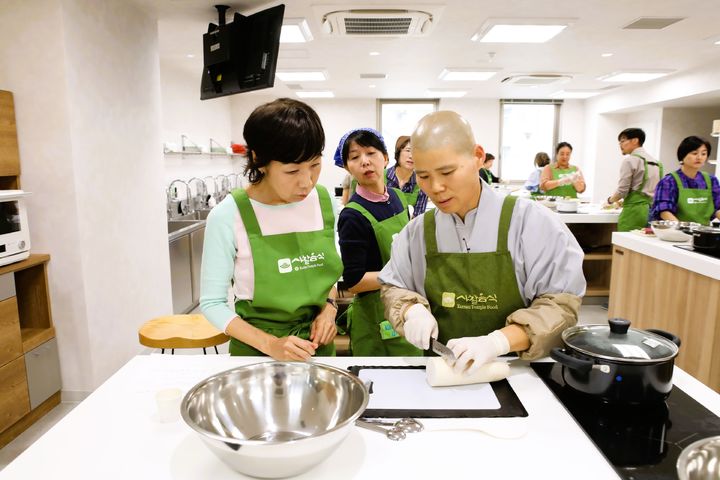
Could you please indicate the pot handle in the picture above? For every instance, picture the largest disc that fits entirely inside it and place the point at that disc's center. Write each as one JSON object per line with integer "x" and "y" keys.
{"x": 673, "y": 338}
{"x": 583, "y": 366}
{"x": 619, "y": 325}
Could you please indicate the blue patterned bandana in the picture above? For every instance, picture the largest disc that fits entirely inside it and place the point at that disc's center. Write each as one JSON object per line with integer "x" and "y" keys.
{"x": 338, "y": 151}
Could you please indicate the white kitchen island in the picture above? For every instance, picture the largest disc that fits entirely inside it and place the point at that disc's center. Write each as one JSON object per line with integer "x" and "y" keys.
{"x": 114, "y": 434}
{"x": 657, "y": 285}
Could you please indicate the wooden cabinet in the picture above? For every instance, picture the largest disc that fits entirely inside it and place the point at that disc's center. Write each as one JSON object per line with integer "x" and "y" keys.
{"x": 595, "y": 240}
{"x": 26, "y": 336}
{"x": 655, "y": 294}
{"x": 9, "y": 153}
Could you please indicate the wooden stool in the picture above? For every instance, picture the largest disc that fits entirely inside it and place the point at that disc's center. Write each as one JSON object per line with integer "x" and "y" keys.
{"x": 181, "y": 331}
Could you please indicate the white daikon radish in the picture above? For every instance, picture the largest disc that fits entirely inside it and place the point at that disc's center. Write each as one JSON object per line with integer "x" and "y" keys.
{"x": 440, "y": 374}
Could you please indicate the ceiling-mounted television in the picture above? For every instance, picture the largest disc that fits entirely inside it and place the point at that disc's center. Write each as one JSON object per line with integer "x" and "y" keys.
{"x": 241, "y": 56}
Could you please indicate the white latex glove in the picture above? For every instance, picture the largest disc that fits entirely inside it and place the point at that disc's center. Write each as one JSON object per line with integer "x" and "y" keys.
{"x": 473, "y": 352}
{"x": 576, "y": 176}
{"x": 566, "y": 180}
{"x": 419, "y": 326}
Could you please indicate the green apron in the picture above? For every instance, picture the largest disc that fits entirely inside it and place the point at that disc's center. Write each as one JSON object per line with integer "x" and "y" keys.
{"x": 471, "y": 294}
{"x": 694, "y": 205}
{"x": 370, "y": 334}
{"x": 636, "y": 206}
{"x": 293, "y": 274}
{"x": 562, "y": 190}
{"x": 354, "y": 183}
{"x": 410, "y": 197}
{"x": 487, "y": 175}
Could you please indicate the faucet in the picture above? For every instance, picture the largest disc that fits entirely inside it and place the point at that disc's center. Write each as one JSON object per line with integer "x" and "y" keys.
{"x": 224, "y": 188}
{"x": 175, "y": 205}
{"x": 234, "y": 183}
{"x": 209, "y": 180}
{"x": 201, "y": 197}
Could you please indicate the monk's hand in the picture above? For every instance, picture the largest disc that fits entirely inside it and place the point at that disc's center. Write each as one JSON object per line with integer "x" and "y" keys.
{"x": 420, "y": 326}
{"x": 323, "y": 328}
{"x": 291, "y": 348}
{"x": 473, "y": 352}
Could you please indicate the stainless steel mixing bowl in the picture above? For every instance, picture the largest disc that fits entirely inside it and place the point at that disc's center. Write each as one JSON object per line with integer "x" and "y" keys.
{"x": 700, "y": 460}
{"x": 275, "y": 419}
{"x": 670, "y": 231}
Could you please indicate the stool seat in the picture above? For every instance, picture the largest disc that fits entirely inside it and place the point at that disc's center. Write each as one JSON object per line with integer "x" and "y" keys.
{"x": 180, "y": 331}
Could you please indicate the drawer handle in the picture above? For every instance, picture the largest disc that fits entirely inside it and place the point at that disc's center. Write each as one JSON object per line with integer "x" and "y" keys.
{"x": 619, "y": 252}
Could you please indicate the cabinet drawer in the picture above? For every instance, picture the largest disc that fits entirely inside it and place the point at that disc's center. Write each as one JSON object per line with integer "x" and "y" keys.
{"x": 10, "y": 339}
{"x": 14, "y": 400}
{"x": 43, "y": 372}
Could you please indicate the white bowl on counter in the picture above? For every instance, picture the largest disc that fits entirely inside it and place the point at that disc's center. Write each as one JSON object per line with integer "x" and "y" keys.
{"x": 567, "y": 205}
{"x": 670, "y": 230}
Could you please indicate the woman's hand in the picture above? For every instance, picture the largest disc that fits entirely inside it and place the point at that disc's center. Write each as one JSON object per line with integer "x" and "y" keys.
{"x": 291, "y": 348}
{"x": 323, "y": 328}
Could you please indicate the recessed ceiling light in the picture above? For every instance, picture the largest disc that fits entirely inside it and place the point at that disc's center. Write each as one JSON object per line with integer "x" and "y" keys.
{"x": 635, "y": 76}
{"x": 574, "y": 94}
{"x": 295, "y": 30}
{"x": 606, "y": 55}
{"x": 317, "y": 94}
{"x": 371, "y": 86}
{"x": 459, "y": 74}
{"x": 717, "y": 43}
{"x": 374, "y": 54}
{"x": 520, "y": 30}
{"x": 190, "y": 55}
{"x": 301, "y": 75}
{"x": 435, "y": 92}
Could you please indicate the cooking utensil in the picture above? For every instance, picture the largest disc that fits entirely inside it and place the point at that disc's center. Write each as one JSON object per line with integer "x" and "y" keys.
{"x": 706, "y": 239}
{"x": 275, "y": 419}
{"x": 393, "y": 433}
{"x": 669, "y": 231}
{"x": 617, "y": 363}
{"x": 700, "y": 460}
{"x": 442, "y": 350}
{"x": 407, "y": 425}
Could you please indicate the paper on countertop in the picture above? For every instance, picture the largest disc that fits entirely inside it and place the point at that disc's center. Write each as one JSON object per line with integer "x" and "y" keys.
{"x": 407, "y": 389}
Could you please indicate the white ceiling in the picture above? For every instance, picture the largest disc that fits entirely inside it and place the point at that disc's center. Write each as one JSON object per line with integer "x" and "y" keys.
{"x": 414, "y": 63}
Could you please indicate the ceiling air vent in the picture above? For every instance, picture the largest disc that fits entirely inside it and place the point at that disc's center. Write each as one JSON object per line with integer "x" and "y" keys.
{"x": 377, "y": 23}
{"x": 652, "y": 23}
{"x": 536, "y": 79}
{"x": 374, "y": 76}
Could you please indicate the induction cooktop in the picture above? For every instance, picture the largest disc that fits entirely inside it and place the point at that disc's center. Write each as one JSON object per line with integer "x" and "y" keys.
{"x": 641, "y": 442}
{"x": 690, "y": 248}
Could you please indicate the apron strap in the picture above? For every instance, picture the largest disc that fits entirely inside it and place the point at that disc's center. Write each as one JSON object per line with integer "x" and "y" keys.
{"x": 504, "y": 225}
{"x": 429, "y": 231}
{"x": 326, "y": 208}
{"x": 400, "y": 196}
{"x": 247, "y": 214}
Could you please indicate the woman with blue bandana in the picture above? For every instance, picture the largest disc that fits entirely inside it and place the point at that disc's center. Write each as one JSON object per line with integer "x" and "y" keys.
{"x": 366, "y": 228}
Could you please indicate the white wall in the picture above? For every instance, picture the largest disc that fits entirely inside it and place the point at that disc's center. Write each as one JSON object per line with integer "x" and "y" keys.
{"x": 87, "y": 99}
{"x": 679, "y": 123}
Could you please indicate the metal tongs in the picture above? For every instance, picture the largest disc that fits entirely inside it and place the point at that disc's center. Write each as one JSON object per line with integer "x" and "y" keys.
{"x": 398, "y": 430}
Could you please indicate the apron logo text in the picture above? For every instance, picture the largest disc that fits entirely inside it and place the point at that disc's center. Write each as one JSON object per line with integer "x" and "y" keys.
{"x": 303, "y": 262}
{"x": 469, "y": 301}
{"x": 696, "y": 201}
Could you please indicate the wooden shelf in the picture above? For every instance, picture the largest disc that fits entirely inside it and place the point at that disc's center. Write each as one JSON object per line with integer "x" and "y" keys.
{"x": 34, "y": 337}
{"x": 31, "y": 261}
{"x": 604, "y": 254}
{"x": 597, "y": 291}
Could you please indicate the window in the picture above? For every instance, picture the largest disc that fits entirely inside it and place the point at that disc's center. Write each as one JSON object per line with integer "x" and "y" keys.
{"x": 526, "y": 128}
{"x": 399, "y": 117}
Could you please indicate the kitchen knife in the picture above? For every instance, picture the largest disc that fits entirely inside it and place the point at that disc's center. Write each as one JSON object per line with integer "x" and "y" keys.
{"x": 442, "y": 350}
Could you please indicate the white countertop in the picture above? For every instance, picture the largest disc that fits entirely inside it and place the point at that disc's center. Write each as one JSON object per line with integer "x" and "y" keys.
{"x": 666, "y": 252}
{"x": 590, "y": 213}
{"x": 114, "y": 434}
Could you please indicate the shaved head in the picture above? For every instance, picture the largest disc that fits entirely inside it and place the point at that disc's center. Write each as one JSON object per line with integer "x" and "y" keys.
{"x": 443, "y": 129}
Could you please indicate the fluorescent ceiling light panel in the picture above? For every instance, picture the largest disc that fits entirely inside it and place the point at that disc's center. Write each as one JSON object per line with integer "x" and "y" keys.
{"x": 301, "y": 75}
{"x": 459, "y": 74}
{"x": 295, "y": 30}
{"x": 317, "y": 94}
{"x": 433, "y": 92}
{"x": 575, "y": 94}
{"x": 634, "y": 76}
{"x": 520, "y": 30}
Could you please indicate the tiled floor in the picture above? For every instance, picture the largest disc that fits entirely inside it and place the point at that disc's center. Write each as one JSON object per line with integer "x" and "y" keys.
{"x": 588, "y": 314}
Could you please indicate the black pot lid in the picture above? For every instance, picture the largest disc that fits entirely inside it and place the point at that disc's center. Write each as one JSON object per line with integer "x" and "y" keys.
{"x": 618, "y": 342}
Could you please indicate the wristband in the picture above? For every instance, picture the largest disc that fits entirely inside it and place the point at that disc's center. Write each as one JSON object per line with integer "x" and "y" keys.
{"x": 332, "y": 302}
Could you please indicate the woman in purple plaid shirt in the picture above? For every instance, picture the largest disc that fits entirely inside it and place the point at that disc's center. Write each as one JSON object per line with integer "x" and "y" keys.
{"x": 688, "y": 194}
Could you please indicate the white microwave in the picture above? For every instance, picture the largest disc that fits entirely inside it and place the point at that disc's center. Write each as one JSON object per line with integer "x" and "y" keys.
{"x": 14, "y": 231}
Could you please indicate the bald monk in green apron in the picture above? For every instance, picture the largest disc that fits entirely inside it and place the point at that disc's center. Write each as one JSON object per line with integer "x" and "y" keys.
{"x": 272, "y": 244}
{"x": 486, "y": 273}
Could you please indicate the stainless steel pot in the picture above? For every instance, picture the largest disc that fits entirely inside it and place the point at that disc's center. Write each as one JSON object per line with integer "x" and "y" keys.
{"x": 617, "y": 363}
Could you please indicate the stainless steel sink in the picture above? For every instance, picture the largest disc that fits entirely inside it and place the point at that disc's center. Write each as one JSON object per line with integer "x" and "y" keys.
{"x": 196, "y": 215}
{"x": 186, "y": 238}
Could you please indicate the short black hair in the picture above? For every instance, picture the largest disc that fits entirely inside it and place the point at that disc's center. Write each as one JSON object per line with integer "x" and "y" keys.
{"x": 561, "y": 145}
{"x": 284, "y": 130}
{"x": 630, "y": 133}
{"x": 690, "y": 144}
{"x": 488, "y": 157}
{"x": 364, "y": 139}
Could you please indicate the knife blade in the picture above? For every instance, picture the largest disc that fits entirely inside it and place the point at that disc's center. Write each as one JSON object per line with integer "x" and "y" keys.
{"x": 442, "y": 350}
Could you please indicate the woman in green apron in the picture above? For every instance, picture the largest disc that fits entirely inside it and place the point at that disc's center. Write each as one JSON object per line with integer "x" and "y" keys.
{"x": 560, "y": 179}
{"x": 402, "y": 176}
{"x": 366, "y": 227}
{"x": 485, "y": 172}
{"x": 272, "y": 244}
{"x": 688, "y": 194}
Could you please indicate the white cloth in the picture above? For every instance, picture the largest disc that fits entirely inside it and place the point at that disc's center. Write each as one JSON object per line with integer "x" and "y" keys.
{"x": 546, "y": 256}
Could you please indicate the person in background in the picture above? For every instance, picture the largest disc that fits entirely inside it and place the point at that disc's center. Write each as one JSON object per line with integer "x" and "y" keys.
{"x": 402, "y": 176}
{"x": 533, "y": 182}
{"x": 688, "y": 194}
{"x": 366, "y": 227}
{"x": 639, "y": 175}
{"x": 561, "y": 179}
{"x": 471, "y": 272}
{"x": 485, "y": 172}
{"x": 273, "y": 244}
{"x": 346, "y": 189}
